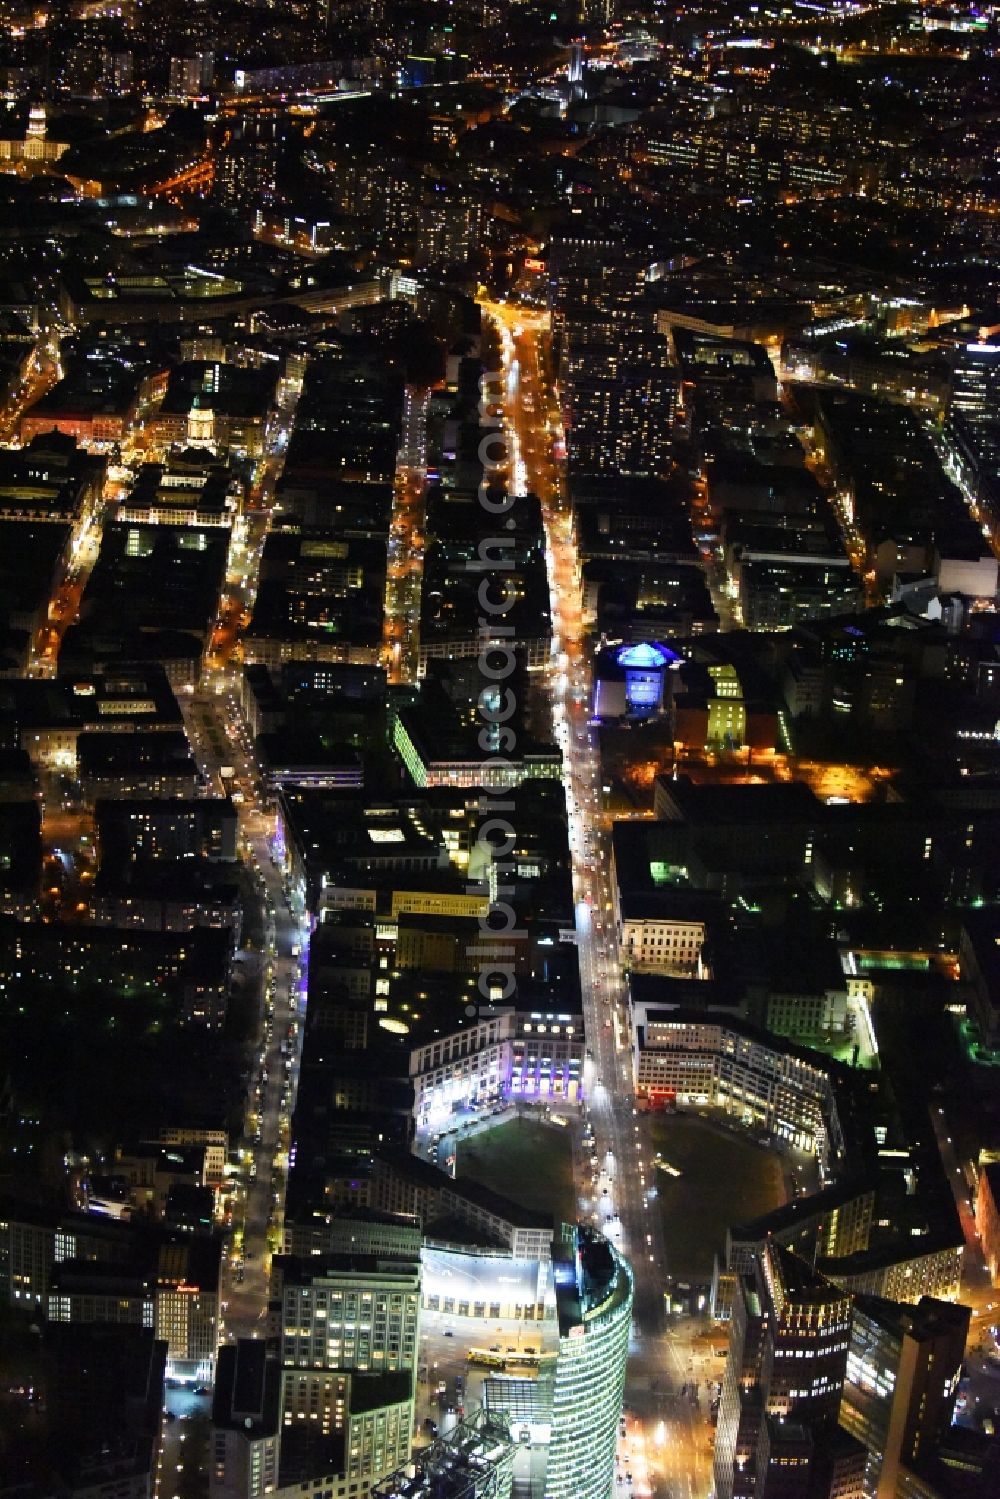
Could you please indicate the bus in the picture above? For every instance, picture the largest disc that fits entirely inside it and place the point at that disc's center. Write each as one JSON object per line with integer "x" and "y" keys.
{"x": 485, "y": 1358}
{"x": 523, "y": 1365}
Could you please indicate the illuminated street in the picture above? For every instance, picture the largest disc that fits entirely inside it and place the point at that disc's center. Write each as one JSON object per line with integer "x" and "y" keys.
{"x": 406, "y": 543}
{"x": 43, "y": 373}
{"x": 260, "y": 1194}
{"x": 223, "y": 653}
{"x": 218, "y": 735}
{"x": 628, "y": 1212}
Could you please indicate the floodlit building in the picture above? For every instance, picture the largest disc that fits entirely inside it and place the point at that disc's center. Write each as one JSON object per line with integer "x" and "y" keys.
{"x": 523, "y": 1051}
{"x": 187, "y": 1303}
{"x": 664, "y": 932}
{"x": 632, "y": 681}
{"x": 691, "y": 1057}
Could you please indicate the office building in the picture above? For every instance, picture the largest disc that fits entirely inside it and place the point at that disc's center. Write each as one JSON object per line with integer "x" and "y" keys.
{"x": 805, "y": 1347}
{"x": 187, "y": 1270}
{"x": 96, "y": 1291}
{"x": 787, "y": 1357}
{"x": 34, "y": 1239}
{"x": 364, "y": 1231}
{"x": 534, "y": 1050}
{"x": 665, "y": 933}
{"x": 903, "y": 1367}
{"x": 988, "y": 1217}
{"x": 243, "y": 1459}
{"x": 975, "y": 382}
{"x": 689, "y": 1056}
{"x": 46, "y": 717}
{"x": 405, "y": 1184}
{"x": 793, "y": 1464}
{"x": 594, "y": 1290}
{"x": 348, "y": 1328}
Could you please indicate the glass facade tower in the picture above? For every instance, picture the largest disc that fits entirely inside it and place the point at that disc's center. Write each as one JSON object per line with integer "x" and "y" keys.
{"x": 594, "y": 1298}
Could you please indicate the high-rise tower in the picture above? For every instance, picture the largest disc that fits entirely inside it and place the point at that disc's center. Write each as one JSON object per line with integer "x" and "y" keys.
{"x": 787, "y": 1359}
{"x": 903, "y": 1368}
{"x": 594, "y": 1302}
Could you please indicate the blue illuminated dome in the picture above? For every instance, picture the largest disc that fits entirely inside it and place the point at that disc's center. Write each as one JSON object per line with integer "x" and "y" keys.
{"x": 645, "y": 655}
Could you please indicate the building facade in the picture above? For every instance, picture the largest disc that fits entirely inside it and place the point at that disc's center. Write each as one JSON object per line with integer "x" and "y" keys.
{"x": 787, "y": 1358}
{"x": 903, "y": 1368}
{"x": 694, "y": 1059}
{"x": 508, "y": 1054}
{"x": 988, "y": 1217}
{"x": 594, "y": 1289}
{"x": 348, "y": 1338}
{"x": 244, "y": 1445}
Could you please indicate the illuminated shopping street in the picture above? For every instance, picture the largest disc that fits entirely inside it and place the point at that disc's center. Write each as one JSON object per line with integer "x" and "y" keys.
{"x": 676, "y": 1430}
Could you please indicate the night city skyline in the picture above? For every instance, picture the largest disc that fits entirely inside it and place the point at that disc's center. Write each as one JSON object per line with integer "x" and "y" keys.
{"x": 499, "y": 750}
